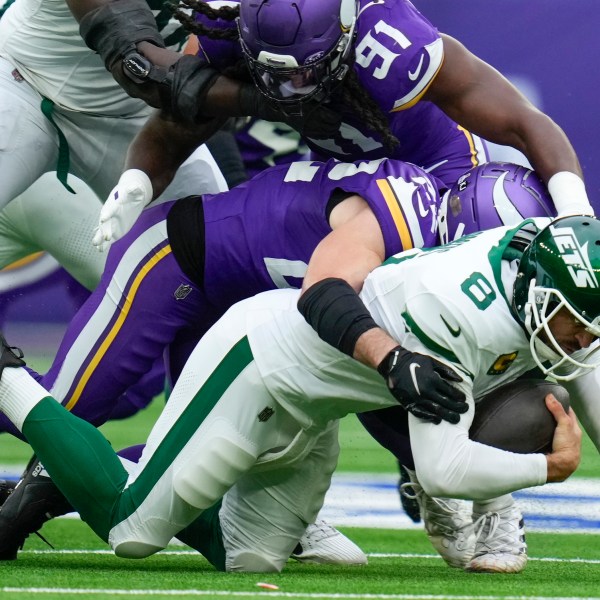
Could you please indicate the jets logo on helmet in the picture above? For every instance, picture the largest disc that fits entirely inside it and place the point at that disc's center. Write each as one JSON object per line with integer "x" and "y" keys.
{"x": 575, "y": 257}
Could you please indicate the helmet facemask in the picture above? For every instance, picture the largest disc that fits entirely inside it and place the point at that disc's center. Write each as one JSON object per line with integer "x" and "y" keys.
{"x": 543, "y": 304}
{"x": 559, "y": 272}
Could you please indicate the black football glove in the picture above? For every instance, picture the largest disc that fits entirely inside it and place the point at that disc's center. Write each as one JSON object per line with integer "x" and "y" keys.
{"x": 422, "y": 386}
{"x": 310, "y": 119}
{"x": 9, "y": 356}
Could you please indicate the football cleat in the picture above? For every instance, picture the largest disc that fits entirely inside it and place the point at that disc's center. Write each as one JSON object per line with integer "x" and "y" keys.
{"x": 6, "y": 488}
{"x": 33, "y": 501}
{"x": 9, "y": 355}
{"x": 325, "y": 545}
{"x": 501, "y": 546}
{"x": 409, "y": 502}
{"x": 448, "y": 524}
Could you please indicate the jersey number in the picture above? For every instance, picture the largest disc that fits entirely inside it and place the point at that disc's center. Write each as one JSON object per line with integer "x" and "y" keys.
{"x": 280, "y": 268}
{"x": 479, "y": 290}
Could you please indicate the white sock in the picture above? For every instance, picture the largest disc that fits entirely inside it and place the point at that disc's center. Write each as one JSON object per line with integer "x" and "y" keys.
{"x": 19, "y": 393}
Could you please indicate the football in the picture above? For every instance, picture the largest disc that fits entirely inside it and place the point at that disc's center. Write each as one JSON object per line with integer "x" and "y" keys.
{"x": 514, "y": 417}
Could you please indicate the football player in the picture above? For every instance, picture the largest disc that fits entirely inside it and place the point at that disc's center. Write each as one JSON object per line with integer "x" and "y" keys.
{"x": 391, "y": 83}
{"x": 184, "y": 263}
{"x": 241, "y": 458}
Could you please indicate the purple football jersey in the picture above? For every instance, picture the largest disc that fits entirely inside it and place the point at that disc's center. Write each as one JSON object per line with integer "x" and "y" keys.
{"x": 264, "y": 144}
{"x": 398, "y": 53}
{"x": 277, "y": 219}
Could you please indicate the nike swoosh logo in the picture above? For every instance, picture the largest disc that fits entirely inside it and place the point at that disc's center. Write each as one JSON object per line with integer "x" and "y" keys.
{"x": 422, "y": 210}
{"x": 413, "y": 75}
{"x": 454, "y": 332}
{"x": 413, "y": 375}
{"x": 508, "y": 213}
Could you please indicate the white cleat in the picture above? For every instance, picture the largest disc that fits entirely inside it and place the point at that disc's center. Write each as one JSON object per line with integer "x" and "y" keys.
{"x": 501, "y": 546}
{"x": 325, "y": 545}
{"x": 448, "y": 524}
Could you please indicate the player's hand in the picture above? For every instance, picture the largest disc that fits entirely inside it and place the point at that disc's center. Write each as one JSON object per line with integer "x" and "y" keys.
{"x": 310, "y": 119}
{"x": 566, "y": 445}
{"x": 122, "y": 208}
{"x": 422, "y": 385}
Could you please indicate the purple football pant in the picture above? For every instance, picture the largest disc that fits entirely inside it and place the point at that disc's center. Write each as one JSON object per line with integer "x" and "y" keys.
{"x": 142, "y": 302}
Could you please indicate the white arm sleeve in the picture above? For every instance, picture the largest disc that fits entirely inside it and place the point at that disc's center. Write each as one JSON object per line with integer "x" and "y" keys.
{"x": 585, "y": 399}
{"x": 449, "y": 464}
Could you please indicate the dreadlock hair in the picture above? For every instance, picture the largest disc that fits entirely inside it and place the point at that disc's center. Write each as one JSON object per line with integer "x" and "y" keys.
{"x": 227, "y": 13}
{"x": 353, "y": 95}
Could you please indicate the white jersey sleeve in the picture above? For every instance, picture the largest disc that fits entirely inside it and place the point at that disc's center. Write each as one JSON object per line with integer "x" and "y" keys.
{"x": 41, "y": 39}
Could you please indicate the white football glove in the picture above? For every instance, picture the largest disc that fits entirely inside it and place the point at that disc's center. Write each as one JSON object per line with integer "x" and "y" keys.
{"x": 124, "y": 205}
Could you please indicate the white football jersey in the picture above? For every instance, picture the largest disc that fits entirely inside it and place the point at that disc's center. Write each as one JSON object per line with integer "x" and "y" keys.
{"x": 456, "y": 301}
{"x": 451, "y": 302}
{"x": 41, "y": 39}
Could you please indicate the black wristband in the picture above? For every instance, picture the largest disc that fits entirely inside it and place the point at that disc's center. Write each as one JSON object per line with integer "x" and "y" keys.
{"x": 336, "y": 312}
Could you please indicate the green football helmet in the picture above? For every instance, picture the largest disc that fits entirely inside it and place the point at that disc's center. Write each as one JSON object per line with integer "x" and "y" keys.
{"x": 561, "y": 268}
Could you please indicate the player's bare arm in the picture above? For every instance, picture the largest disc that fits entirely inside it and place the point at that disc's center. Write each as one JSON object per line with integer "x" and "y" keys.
{"x": 331, "y": 305}
{"x": 483, "y": 101}
{"x": 352, "y": 250}
{"x": 162, "y": 145}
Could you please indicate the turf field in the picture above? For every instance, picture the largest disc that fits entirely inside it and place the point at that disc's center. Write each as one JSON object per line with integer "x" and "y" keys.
{"x": 401, "y": 562}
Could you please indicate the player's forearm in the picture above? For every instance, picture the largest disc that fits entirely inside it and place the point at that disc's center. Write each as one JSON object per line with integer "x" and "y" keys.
{"x": 162, "y": 146}
{"x": 483, "y": 101}
{"x": 449, "y": 464}
{"x": 373, "y": 346}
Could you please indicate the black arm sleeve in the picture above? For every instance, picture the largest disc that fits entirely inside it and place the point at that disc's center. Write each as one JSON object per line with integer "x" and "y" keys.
{"x": 115, "y": 28}
{"x": 336, "y": 312}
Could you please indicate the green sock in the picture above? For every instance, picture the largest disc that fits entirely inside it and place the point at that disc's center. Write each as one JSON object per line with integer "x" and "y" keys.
{"x": 80, "y": 461}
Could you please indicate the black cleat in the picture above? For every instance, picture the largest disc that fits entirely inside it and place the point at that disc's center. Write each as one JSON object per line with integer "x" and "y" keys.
{"x": 409, "y": 503}
{"x": 9, "y": 355}
{"x": 6, "y": 488}
{"x": 33, "y": 501}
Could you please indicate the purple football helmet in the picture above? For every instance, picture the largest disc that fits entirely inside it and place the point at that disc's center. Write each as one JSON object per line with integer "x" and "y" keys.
{"x": 297, "y": 49}
{"x": 492, "y": 195}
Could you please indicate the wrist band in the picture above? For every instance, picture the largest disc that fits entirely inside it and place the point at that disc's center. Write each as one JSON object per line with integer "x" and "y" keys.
{"x": 336, "y": 312}
{"x": 568, "y": 194}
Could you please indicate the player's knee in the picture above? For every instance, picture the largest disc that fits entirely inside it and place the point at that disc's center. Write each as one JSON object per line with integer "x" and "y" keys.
{"x": 213, "y": 469}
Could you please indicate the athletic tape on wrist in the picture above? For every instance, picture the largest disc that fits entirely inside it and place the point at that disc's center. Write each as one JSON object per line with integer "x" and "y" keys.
{"x": 568, "y": 194}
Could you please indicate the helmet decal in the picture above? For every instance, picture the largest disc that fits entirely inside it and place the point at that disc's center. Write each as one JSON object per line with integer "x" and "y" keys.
{"x": 574, "y": 256}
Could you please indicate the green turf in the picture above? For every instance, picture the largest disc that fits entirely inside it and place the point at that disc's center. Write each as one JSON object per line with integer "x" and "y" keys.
{"x": 47, "y": 574}
{"x": 418, "y": 575}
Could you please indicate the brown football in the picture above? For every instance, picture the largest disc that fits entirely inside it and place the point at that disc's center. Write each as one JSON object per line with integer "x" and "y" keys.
{"x": 514, "y": 417}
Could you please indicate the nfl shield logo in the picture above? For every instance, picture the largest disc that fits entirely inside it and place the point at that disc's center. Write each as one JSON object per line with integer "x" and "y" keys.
{"x": 182, "y": 291}
{"x": 265, "y": 414}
